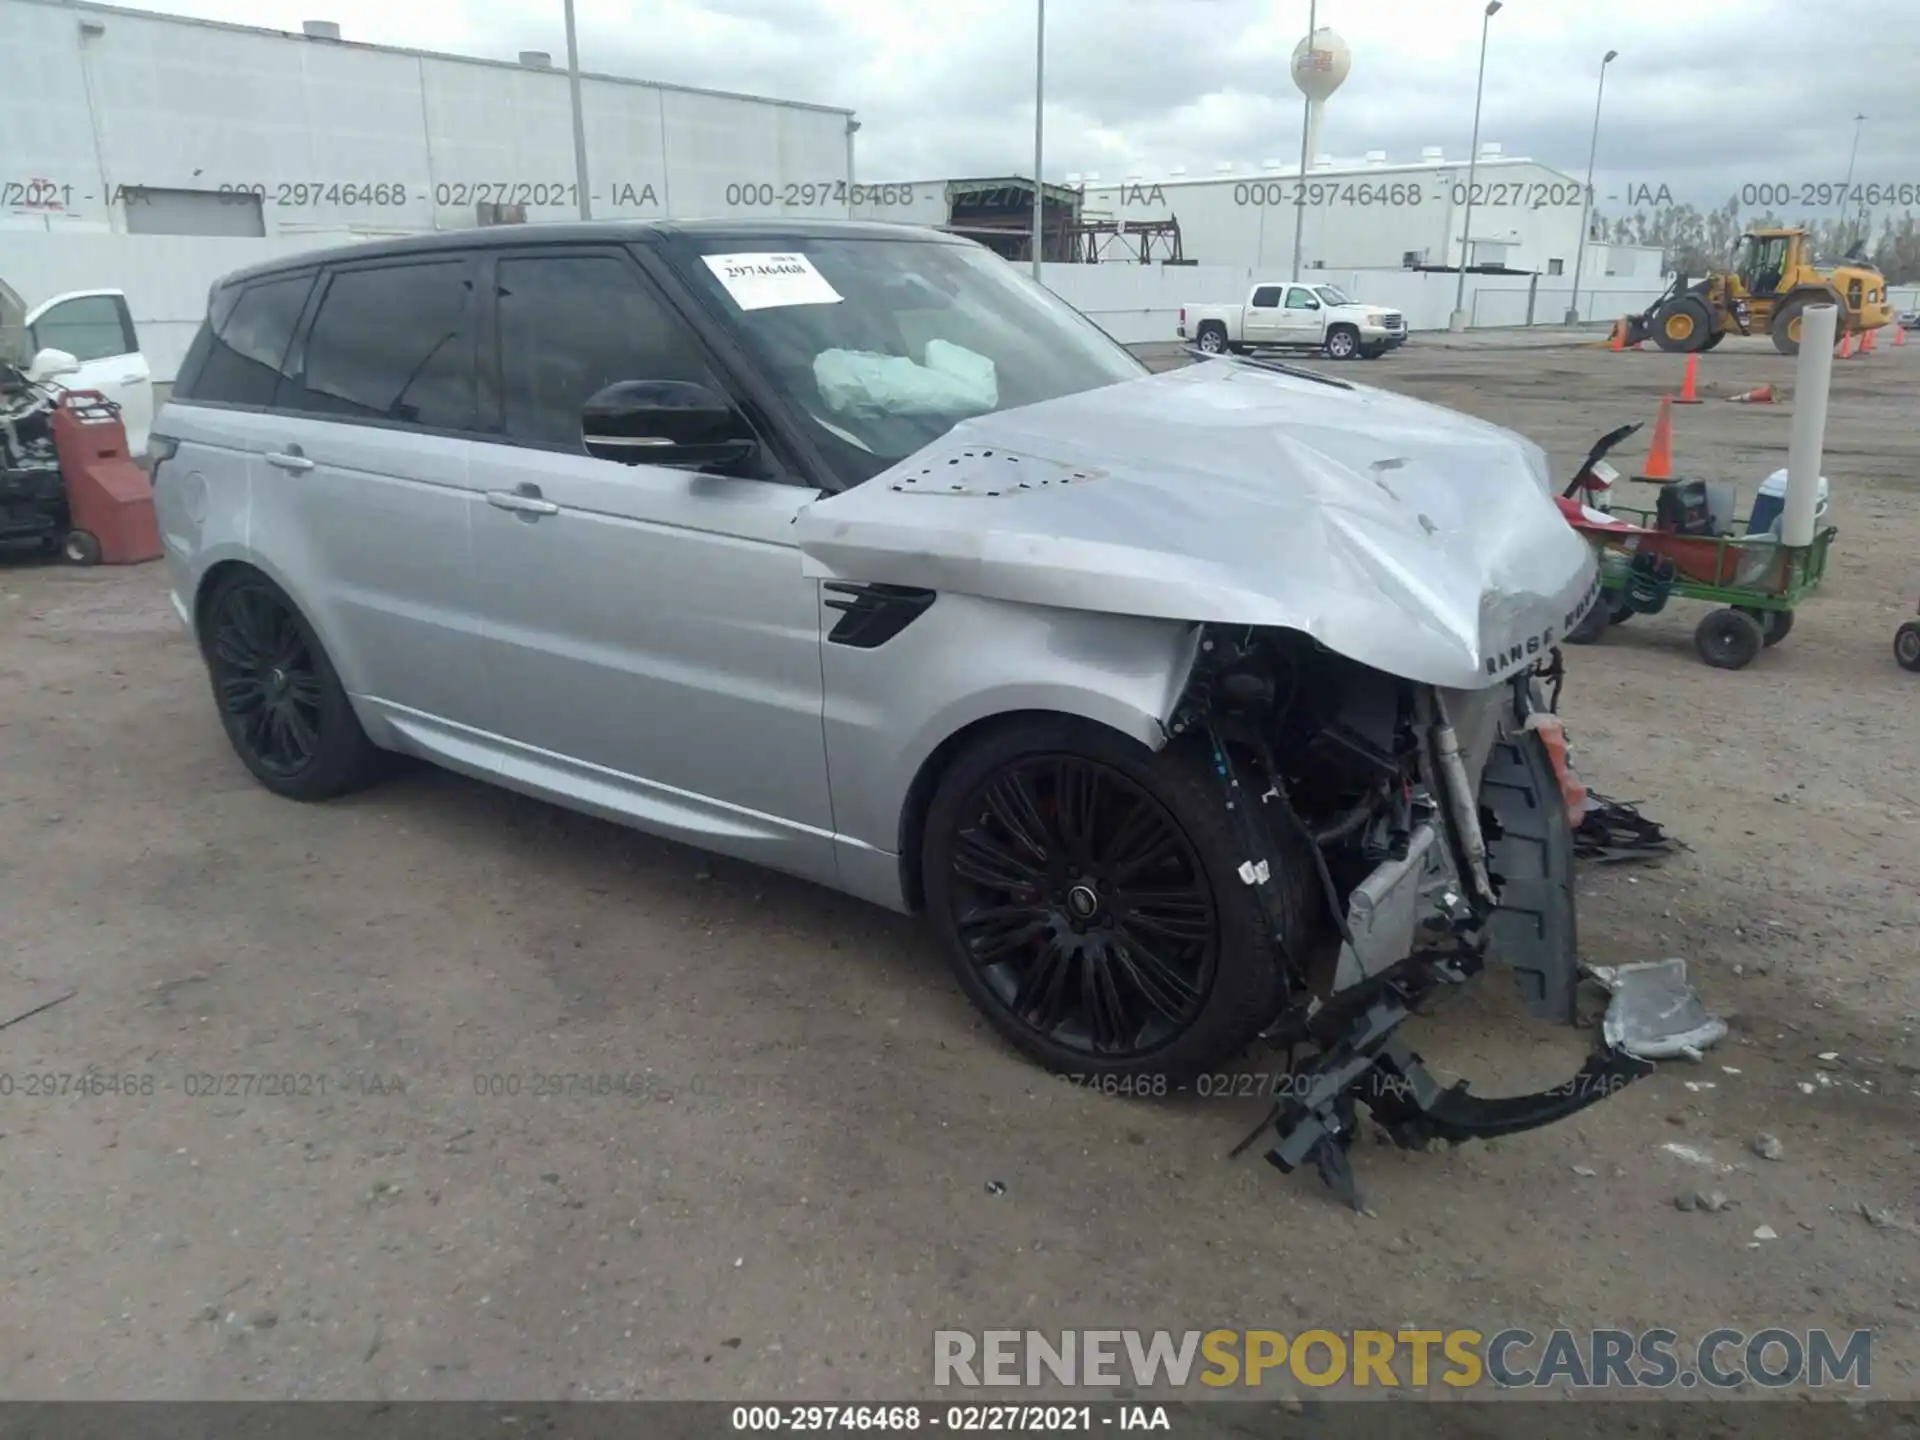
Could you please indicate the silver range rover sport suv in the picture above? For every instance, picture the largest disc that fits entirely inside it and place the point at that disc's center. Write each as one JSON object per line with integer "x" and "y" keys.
{"x": 1186, "y": 706}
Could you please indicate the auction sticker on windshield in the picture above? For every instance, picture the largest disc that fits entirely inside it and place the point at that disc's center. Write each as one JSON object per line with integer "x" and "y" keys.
{"x": 764, "y": 281}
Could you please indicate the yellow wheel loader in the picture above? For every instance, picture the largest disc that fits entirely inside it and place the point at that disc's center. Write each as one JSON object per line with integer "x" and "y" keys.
{"x": 1772, "y": 282}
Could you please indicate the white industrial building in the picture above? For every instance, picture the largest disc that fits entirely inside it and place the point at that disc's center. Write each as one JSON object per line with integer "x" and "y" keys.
{"x": 132, "y": 122}
{"x": 1375, "y": 214}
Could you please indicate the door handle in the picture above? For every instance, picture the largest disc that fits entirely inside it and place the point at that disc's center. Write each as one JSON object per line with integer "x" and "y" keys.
{"x": 521, "y": 503}
{"x": 131, "y": 379}
{"x": 289, "y": 459}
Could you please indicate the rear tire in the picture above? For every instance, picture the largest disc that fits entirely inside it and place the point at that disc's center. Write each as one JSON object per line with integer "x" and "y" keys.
{"x": 1006, "y": 909}
{"x": 1774, "y": 625}
{"x": 1212, "y": 338}
{"x": 280, "y": 700}
{"x": 1728, "y": 639}
{"x": 1593, "y": 624}
{"x": 80, "y": 547}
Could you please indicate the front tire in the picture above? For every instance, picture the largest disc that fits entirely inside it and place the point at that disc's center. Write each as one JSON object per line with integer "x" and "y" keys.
{"x": 1343, "y": 342}
{"x": 1906, "y": 645}
{"x": 1729, "y": 639}
{"x": 1085, "y": 891}
{"x": 1786, "y": 327}
{"x": 1683, "y": 326}
{"x": 80, "y": 547}
{"x": 280, "y": 701}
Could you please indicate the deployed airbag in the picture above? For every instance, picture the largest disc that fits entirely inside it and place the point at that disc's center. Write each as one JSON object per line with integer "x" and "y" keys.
{"x": 861, "y": 385}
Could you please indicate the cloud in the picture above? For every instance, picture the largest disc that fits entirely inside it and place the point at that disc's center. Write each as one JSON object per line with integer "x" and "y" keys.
{"x": 1706, "y": 96}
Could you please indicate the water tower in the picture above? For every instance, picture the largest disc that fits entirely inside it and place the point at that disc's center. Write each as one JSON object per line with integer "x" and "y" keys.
{"x": 1320, "y": 63}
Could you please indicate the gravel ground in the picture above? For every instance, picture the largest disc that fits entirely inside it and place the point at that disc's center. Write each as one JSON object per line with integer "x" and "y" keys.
{"x": 829, "y": 1156}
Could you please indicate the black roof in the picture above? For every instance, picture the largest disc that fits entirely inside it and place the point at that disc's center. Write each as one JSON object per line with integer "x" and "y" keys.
{"x": 624, "y": 232}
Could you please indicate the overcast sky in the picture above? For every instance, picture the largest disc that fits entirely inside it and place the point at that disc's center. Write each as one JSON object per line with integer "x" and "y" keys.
{"x": 1707, "y": 95}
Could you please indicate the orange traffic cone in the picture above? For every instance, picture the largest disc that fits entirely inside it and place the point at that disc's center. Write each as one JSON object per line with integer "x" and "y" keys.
{"x": 1619, "y": 340}
{"x": 1761, "y": 396}
{"x": 1866, "y": 342}
{"x": 1689, "y": 394}
{"x": 1845, "y": 352}
{"x": 1899, "y": 336}
{"x": 1659, "y": 464}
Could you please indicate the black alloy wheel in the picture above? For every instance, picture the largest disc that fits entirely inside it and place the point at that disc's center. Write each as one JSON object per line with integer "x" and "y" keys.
{"x": 280, "y": 702}
{"x": 1084, "y": 907}
{"x": 265, "y": 678}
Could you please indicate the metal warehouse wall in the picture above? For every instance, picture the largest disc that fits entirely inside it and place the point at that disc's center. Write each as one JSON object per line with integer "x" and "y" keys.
{"x": 1368, "y": 218}
{"x": 414, "y": 141}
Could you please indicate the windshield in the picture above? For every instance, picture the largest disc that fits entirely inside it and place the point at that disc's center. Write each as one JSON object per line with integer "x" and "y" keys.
{"x": 1332, "y": 294}
{"x": 883, "y": 345}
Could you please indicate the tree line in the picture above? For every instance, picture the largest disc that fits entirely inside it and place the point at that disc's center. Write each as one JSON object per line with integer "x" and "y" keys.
{"x": 1695, "y": 241}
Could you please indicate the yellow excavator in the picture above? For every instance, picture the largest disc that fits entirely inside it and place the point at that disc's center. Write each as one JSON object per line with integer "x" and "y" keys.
{"x": 1772, "y": 282}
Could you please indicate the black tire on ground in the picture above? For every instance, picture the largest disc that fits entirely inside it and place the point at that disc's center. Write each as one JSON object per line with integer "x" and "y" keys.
{"x": 1004, "y": 911}
{"x": 1906, "y": 645}
{"x": 1343, "y": 342}
{"x": 1683, "y": 325}
{"x": 1728, "y": 639}
{"x": 80, "y": 547}
{"x": 1775, "y": 625}
{"x": 279, "y": 699}
{"x": 1592, "y": 625}
{"x": 1621, "y": 613}
{"x": 1212, "y": 338}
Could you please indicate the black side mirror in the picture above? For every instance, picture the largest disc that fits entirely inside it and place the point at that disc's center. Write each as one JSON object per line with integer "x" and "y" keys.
{"x": 664, "y": 422}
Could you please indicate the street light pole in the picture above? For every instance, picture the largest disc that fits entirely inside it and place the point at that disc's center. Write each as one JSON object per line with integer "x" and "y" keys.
{"x": 579, "y": 117}
{"x": 1459, "y": 317}
{"x": 1852, "y": 155}
{"x": 1306, "y": 128}
{"x": 1039, "y": 130}
{"x": 1586, "y": 207}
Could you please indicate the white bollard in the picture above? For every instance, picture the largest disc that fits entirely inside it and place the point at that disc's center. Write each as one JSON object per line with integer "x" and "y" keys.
{"x": 1817, "y": 326}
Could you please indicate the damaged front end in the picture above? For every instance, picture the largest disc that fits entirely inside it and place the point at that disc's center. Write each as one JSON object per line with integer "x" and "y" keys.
{"x": 1429, "y": 830}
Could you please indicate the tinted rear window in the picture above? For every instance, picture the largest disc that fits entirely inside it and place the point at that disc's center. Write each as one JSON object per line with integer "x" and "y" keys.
{"x": 237, "y": 356}
{"x": 392, "y": 342}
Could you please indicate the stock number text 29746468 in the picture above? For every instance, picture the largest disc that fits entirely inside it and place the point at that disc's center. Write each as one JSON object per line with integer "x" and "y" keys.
{"x": 1399, "y": 194}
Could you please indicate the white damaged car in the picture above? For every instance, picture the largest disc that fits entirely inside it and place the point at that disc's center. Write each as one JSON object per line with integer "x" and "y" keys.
{"x": 1188, "y": 708}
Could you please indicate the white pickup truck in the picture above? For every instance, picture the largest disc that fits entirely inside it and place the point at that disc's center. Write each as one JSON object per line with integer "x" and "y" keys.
{"x": 1319, "y": 317}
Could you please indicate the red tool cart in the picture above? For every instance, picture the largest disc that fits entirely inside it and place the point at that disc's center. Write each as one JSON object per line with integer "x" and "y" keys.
{"x": 109, "y": 498}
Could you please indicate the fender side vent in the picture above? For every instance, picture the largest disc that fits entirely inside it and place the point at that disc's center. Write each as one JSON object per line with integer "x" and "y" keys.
{"x": 871, "y": 615}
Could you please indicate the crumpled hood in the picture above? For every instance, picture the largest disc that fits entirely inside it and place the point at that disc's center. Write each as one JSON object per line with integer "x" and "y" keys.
{"x": 1411, "y": 538}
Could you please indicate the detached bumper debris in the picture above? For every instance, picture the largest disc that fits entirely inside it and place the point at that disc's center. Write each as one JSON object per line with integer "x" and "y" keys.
{"x": 1655, "y": 1014}
{"x": 1613, "y": 831}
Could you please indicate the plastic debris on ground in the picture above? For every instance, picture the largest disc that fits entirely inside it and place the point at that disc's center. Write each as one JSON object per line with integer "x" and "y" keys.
{"x": 1613, "y": 831}
{"x": 1604, "y": 829}
{"x": 1655, "y": 1013}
